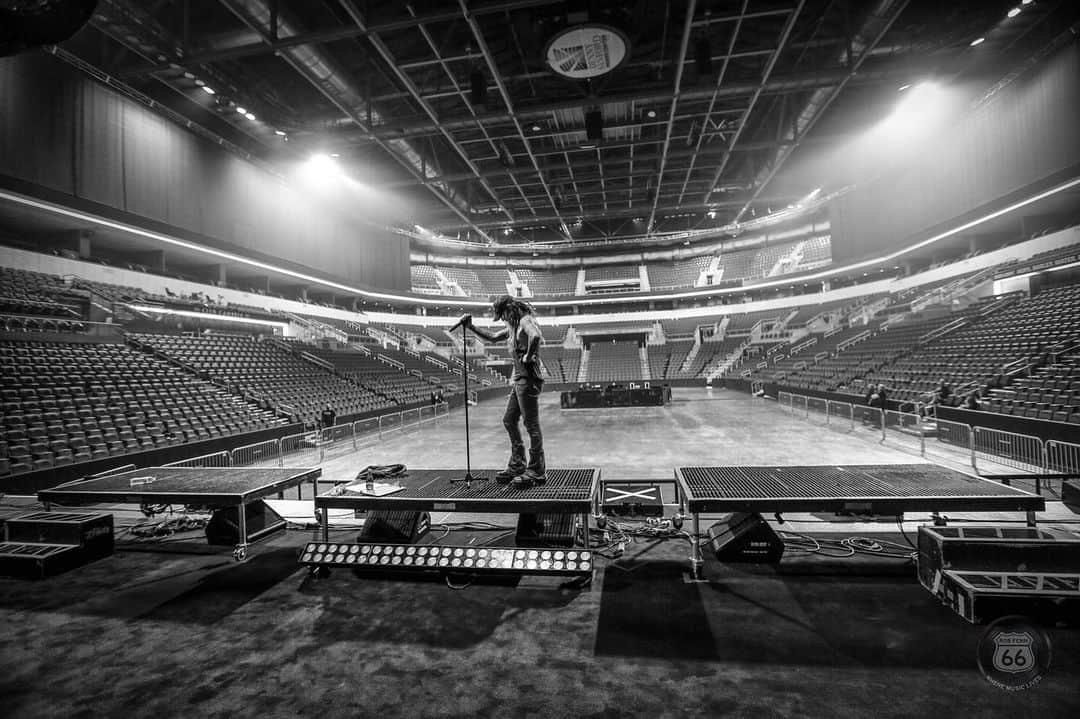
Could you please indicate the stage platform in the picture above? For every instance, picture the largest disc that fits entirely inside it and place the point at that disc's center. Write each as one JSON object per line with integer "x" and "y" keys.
{"x": 886, "y": 489}
{"x": 567, "y": 491}
{"x": 202, "y": 486}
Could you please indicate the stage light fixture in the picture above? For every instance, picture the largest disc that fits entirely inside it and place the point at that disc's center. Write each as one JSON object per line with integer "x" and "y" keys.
{"x": 536, "y": 128}
{"x": 978, "y": 41}
{"x": 250, "y": 116}
{"x": 208, "y": 90}
{"x": 279, "y": 132}
{"x": 240, "y": 110}
{"x": 1014, "y": 12}
{"x": 651, "y": 114}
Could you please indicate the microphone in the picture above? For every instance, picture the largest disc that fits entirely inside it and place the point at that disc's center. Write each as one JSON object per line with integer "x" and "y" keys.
{"x": 466, "y": 319}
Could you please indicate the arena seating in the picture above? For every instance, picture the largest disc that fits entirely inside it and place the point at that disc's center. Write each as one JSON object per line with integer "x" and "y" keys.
{"x": 423, "y": 279}
{"x": 551, "y": 283}
{"x": 614, "y": 361}
{"x": 679, "y": 274}
{"x": 562, "y": 364}
{"x": 612, "y": 272}
{"x": 388, "y": 385}
{"x": 666, "y": 359}
{"x": 66, "y": 402}
{"x": 269, "y": 371}
{"x": 1001, "y": 333}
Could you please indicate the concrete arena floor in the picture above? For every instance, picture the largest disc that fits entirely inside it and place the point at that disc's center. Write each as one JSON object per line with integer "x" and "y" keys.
{"x": 181, "y": 630}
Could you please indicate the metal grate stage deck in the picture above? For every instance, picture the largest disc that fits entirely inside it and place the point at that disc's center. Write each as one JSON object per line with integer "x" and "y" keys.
{"x": 568, "y": 491}
{"x": 182, "y": 485}
{"x": 876, "y": 489}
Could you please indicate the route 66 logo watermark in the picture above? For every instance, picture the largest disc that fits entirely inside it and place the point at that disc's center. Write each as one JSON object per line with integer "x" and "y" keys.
{"x": 1014, "y": 653}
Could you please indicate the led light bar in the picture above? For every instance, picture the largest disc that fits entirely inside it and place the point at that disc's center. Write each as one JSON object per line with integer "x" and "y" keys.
{"x": 447, "y": 558}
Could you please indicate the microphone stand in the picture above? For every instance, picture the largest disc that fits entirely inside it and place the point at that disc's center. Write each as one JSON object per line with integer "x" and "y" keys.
{"x": 468, "y": 478}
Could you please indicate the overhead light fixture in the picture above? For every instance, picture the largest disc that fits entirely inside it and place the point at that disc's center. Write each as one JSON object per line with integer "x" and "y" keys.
{"x": 903, "y": 87}
{"x": 1026, "y": 2}
{"x": 536, "y": 127}
{"x": 651, "y": 114}
{"x": 208, "y": 90}
{"x": 279, "y": 132}
{"x": 978, "y": 41}
{"x": 250, "y": 116}
{"x": 240, "y": 110}
{"x": 1014, "y": 12}
{"x": 589, "y": 146}
{"x": 200, "y": 83}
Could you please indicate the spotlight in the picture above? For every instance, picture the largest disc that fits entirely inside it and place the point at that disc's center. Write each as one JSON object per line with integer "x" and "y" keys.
{"x": 651, "y": 114}
{"x": 536, "y": 128}
{"x": 250, "y": 116}
{"x": 208, "y": 90}
{"x": 978, "y": 41}
{"x": 279, "y": 132}
{"x": 1014, "y": 12}
{"x": 240, "y": 110}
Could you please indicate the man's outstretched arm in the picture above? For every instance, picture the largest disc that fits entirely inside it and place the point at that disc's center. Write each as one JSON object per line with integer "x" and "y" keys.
{"x": 484, "y": 334}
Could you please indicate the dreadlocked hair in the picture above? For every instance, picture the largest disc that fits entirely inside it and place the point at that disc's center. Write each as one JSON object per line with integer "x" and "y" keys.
{"x": 510, "y": 309}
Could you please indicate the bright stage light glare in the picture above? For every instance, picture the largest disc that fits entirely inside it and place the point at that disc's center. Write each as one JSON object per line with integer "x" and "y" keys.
{"x": 1014, "y": 12}
{"x": 208, "y": 90}
{"x": 978, "y": 41}
{"x": 921, "y": 108}
{"x": 240, "y": 110}
{"x": 250, "y": 116}
{"x": 279, "y": 132}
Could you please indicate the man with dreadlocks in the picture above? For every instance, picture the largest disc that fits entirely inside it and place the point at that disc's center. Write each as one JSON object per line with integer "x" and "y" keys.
{"x": 523, "y": 338}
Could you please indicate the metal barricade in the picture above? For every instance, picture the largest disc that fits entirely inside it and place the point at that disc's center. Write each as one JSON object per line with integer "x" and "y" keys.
{"x": 216, "y": 459}
{"x": 870, "y": 418}
{"x": 995, "y": 451}
{"x": 410, "y": 418}
{"x": 427, "y": 413}
{"x": 817, "y": 405}
{"x": 904, "y": 430}
{"x": 302, "y": 450}
{"x": 365, "y": 431}
{"x": 389, "y": 423}
{"x": 266, "y": 453}
{"x": 798, "y": 406}
{"x": 841, "y": 416}
{"x": 950, "y": 441}
{"x": 442, "y": 409}
{"x": 337, "y": 440}
{"x": 784, "y": 400}
{"x": 1062, "y": 457}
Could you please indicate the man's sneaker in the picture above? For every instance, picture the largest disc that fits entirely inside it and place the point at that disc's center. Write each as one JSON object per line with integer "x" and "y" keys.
{"x": 506, "y": 475}
{"x": 528, "y": 479}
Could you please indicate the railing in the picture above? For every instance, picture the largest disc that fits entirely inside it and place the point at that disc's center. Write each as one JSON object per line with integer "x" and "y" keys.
{"x": 865, "y": 334}
{"x": 941, "y": 331}
{"x": 992, "y": 453}
{"x": 217, "y": 459}
{"x": 391, "y": 361}
{"x": 314, "y": 447}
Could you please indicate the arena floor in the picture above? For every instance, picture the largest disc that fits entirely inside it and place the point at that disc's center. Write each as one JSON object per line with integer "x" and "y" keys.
{"x": 181, "y": 629}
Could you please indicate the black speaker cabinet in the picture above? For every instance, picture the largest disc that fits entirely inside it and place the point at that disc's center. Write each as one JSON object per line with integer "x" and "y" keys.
{"x": 743, "y": 537}
{"x": 224, "y": 525}
{"x": 545, "y": 529}
{"x": 395, "y": 527}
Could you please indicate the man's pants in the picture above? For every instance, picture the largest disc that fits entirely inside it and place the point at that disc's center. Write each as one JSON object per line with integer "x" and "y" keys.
{"x": 523, "y": 404}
